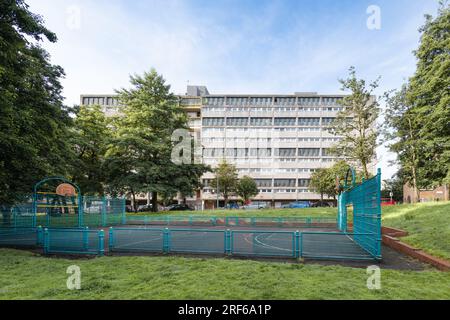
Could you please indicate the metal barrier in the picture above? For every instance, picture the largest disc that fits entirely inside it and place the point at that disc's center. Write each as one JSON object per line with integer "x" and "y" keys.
{"x": 332, "y": 245}
{"x": 73, "y": 241}
{"x": 136, "y": 239}
{"x": 260, "y": 243}
{"x": 282, "y": 244}
{"x": 95, "y": 212}
{"x": 365, "y": 198}
{"x": 192, "y": 220}
{"x": 18, "y": 237}
{"x": 102, "y": 211}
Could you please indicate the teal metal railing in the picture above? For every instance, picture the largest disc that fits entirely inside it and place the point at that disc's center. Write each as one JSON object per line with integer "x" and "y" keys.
{"x": 193, "y": 220}
{"x": 73, "y": 241}
{"x": 53, "y": 211}
{"x": 365, "y": 198}
{"x": 257, "y": 243}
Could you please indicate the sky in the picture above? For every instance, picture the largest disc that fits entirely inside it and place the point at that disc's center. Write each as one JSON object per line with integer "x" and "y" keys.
{"x": 235, "y": 46}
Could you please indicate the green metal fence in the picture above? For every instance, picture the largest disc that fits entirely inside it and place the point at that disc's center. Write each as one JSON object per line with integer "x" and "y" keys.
{"x": 73, "y": 241}
{"x": 59, "y": 213}
{"x": 102, "y": 211}
{"x": 365, "y": 198}
{"x": 256, "y": 243}
{"x": 192, "y": 220}
{"x": 18, "y": 237}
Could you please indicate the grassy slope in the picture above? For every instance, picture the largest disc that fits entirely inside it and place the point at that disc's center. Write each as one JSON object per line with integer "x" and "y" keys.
{"x": 428, "y": 225}
{"x": 26, "y": 276}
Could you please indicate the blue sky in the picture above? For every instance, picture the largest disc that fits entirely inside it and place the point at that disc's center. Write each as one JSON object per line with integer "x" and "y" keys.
{"x": 259, "y": 46}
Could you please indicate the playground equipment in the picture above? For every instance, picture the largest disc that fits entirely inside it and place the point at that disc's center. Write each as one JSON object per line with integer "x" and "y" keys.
{"x": 63, "y": 221}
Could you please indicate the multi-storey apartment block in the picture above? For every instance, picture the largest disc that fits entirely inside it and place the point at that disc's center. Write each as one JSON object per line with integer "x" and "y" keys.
{"x": 278, "y": 140}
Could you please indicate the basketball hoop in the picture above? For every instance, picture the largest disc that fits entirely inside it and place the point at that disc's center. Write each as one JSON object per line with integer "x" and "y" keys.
{"x": 65, "y": 190}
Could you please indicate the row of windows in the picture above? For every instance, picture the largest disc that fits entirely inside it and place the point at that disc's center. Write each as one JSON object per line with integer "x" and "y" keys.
{"x": 266, "y": 131}
{"x": 241, "y": 121}
{"x": 108, "y": 101}
{"x": 217, "y": 101}
{"x": 270, "y": 109}
{"x": 302, "y": 190}
{"x": 281, "y": 183}
{"x": 234, "y": 101}
{"x": 268, "y": 160}
{"x": 264, "y": 183}
{"x": 265, "y": 152}
{"x": 190, "y": 101}
{"x": 275, "y": 170}
{"x": 266, "y": 140}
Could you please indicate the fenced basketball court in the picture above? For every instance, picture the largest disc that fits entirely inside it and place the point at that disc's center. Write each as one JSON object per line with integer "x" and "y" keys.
{"x": 65, "y": 222}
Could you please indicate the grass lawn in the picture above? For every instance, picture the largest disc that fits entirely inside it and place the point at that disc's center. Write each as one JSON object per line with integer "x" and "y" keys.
{"x": 25, "y": 275}
{"x": 28, "y": 276}
{"x": 428, "y": 225}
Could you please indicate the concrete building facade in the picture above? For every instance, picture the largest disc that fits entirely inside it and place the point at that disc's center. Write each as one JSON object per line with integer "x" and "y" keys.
{"x": 279, "y": 140}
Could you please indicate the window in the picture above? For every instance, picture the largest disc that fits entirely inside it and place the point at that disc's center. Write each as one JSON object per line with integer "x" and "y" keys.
{"x": 215, "y": 101}
{"x": 284, "y": 122}
{"x": 327, "y": 121}
{"x": 213, "y": 122}
{"x": 284, "y": 101}
{"x": 309, "y": 122}
{"x": 285, "y": 152}
{"x": 241, "y": 152}
{"x": 260, "y": 152}
{"x": 284, "y": 183}
{"x": 261, "y": 101}
{"x": 213, "y": 152}
{"x": 263, "y": 183}
{"x": 308, "y": 152}
{"x": 304, "y": 183}
{"x": 261, "y": 121}
{"x": 237, "y": 122}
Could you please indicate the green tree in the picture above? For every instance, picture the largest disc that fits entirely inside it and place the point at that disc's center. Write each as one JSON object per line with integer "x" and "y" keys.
{"x": 246, "y": 188}
{"x": 355, "y": 124}
{"x": 33, "y": 119}
{"x": 139, "y": 154}
{"x": 394, "y": 185}
{"x": 323, "y": 180}
{"x": 402, "y": 133}
{"x": 429, "y": 95}
{"x": 227, "y": 176}
{"x": 320, "y": 181}
{"x": 89, "y": 139}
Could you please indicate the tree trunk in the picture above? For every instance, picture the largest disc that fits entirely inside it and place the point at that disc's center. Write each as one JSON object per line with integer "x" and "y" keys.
{"x": 225, "y": 198}
{"x": 154, "y": 201}
{"x": 366, "y": 172}
{"x": 321, "y": 197}
{"x": 413, "y": 167}
{"x": 133, "y": 196}
{"x": 416, "y": 189}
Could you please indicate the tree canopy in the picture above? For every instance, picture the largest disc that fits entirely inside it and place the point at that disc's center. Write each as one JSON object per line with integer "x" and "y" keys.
{"x": 246, "y": 188}
{"x": 417, "y": 117}
{"x": 356, "y": 123}
{"x": 33, "y": 119}
{"x": 227, "y": 176}
{"x": 139, "y": 154}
